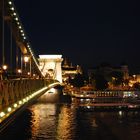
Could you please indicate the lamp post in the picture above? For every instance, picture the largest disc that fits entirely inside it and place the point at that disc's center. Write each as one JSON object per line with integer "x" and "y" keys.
{"x": 26, "y": 60}
{"x": 19, "y": 72}
{"x": 4, "y": 67}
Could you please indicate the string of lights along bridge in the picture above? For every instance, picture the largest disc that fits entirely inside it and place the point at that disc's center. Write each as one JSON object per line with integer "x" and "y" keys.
{"x": 16, "y": 47}
{"x": 23, "y": 77}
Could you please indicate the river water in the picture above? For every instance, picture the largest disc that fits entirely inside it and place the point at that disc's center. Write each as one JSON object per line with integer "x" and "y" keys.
{"x": 50, "y": 119}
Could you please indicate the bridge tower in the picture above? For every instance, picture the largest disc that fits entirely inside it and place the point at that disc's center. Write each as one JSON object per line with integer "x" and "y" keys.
{"x": 50, "y": 65}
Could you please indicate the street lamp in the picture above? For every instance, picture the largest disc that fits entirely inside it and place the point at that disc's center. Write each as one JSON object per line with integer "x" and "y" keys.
{"x": 4, "y": 67}
{"x": 4, "y": 72}
{"x": 26, "y": 60}
{"x": 19, "y": 71}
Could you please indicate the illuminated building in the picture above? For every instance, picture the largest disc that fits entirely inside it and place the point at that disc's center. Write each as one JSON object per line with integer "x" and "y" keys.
{"x": 50, "y": 65}
{"x": 69, "y": 71}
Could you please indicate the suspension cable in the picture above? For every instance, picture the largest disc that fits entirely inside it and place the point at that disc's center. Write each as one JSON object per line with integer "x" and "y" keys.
{"x": 3, "y": 49}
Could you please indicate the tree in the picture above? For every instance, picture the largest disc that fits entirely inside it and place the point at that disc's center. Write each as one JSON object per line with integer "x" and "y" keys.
{"x": 136, "y": 85}
{"x": 100, "y": 82}
{"x": 78, "y": 80}
{"x": 117, "y": 78}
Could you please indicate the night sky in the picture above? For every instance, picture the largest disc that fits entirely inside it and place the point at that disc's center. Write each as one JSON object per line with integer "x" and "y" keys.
{"x": 85, "y": 33}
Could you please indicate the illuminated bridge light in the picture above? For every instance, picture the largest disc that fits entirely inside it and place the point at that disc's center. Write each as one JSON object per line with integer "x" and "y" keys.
{"x": 9, "y": 109}
{"x": 16, "y": 18}
{"x": 88, "y": 106}
{"x": 30, "y": 96}
{"x": 120, "y": 113}
{"x": 24, "y": 100}
{"x": 24, "y": 37}
{"x": 20, "y": 102}
{"x": 15, "y": 105}
{"x": 10, "y": 2}
{"x": 2, "y": 114}
{"x": 14, "y": 14}
{"x": 12, "y": 8}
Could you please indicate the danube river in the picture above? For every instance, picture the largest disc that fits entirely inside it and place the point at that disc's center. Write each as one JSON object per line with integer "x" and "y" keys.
{"x": 50, "y": 119}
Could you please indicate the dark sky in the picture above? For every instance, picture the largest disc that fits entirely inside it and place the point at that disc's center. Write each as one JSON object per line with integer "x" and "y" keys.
{"x": 85, "y": 33}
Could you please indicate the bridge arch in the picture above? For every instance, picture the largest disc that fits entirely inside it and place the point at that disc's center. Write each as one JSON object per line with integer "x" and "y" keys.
{"x": 50, "y": 66}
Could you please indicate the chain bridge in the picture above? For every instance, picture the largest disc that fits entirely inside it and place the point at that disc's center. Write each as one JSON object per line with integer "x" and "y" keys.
{"x": 23, "y": 76}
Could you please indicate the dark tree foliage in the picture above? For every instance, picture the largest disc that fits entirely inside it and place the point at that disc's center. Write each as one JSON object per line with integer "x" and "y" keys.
{"x": 78, "y": 81}
{"x": 137, "y": 86}
{"x": 100, "y": 82}
{"x": 118, "y": 77}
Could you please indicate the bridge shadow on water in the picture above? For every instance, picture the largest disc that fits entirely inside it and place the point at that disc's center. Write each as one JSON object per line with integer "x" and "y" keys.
{"x": 51, "y": 96}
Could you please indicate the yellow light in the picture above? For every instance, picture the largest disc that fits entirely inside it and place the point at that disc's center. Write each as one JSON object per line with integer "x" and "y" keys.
{"x": 15, "y": 105}
{"x": 120, "y": 113}
{"x": 28, "y": 73}
{"x": 9, "y": 109}
{"x": 88, "y": 106}
{"x": 16, "y": 18}
{"x": 14, "y": 14}
{"x": 2, "y": 114}
{"x": 12, "y": 8}
{"x": 24, "y": 100}
{"x": 20, "y": 102}
{"x": 26, "y": 59}
{"x": 50, "y": 56}
{"x": 10, "y": 2}
{"x": 19, "y": 71}
{"x": 5, "y": 67}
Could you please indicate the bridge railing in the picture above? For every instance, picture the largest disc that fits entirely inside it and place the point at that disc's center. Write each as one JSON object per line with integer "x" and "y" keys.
{"x": 12, "y": 91}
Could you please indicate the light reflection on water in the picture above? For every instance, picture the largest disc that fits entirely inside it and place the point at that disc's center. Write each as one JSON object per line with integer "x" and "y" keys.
{"x": 66, "y": 126}
{"x": 50, "y": 120}
{"x": 42, "y": 120}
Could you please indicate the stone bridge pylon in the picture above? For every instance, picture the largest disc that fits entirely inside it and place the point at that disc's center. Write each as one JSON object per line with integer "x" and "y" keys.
{"x": 50, "y": 66}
